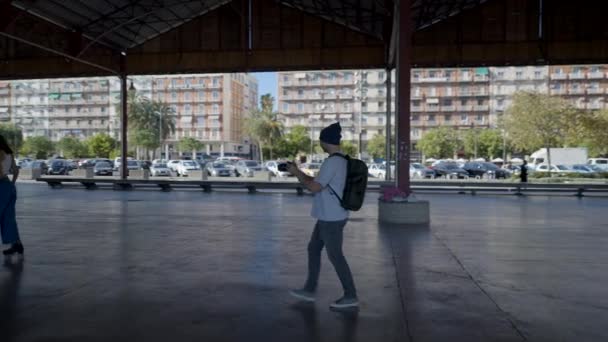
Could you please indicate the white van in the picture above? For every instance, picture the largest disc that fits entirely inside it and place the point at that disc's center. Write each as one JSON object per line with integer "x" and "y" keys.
{"x": 602, "y": 163}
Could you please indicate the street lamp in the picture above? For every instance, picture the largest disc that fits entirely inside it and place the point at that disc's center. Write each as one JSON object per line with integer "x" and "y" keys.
{"x": 475, "y": 135}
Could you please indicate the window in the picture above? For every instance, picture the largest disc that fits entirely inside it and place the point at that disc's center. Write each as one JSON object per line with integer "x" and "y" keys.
{"x": 285, "y": 107}
{"x": 363, "y": 105}
{"x": 431, "y": 118}
{"x": 380, "y": 105}
{"x": 188, "y": 109}
{"x": 380, "y": 120}
{"x": 216, "y": 94}
{"x": 173, "y": 83}
{"x": 187, "y": 96}
{"x": 201, "y": 82}
{"x": 346, "y": 107}
{"x": 332, "y": 76}
{"x": 216, "y": 81}
{"x": 537, "y": 74}
{"x": 300, "y": 107}
{"x": 285, "y": 78}
{"x": 558, "y": 70}
{"x": 447, "y": 102}
{"x": 448, "y": 74}
{"x": 381, "y": 75}
{"x": 448, "y": 118}
{"x": 500, "y": 102}
{"x": 416, "y": 103}
{"x": 103, "y": 109}
{"x": 480, "y": 102}
{"x": 300, "y": 92}
{"x": 480, "y": 117}
{"x": 463, "y": 102}
{"x": 201, "y": 95}
{"x": 432, "y": 74}
{"x": 464, "y": 117}
{"x": 285, "y": 92}
{"x": 519, "y": 75}
{"x": 174, "y": 95}
{"x": 348, "y": 76}
{"x": 216, "y": 109}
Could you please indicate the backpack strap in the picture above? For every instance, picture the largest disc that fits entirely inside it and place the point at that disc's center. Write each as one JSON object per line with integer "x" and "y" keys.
{"x": 345, "y": 156}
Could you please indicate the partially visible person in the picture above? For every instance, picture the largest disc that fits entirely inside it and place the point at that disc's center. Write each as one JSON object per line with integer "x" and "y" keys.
{"x": 8, "y": 198}
{"x": 523, "y": 175}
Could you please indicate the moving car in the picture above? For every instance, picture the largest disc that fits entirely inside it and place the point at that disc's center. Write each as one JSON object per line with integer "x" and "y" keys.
{"x": 485, "y": 170}
{"x": 311, "y": 169}
{"x": 184, "y": 167}
{"x": 160, "y": 169}
{"x": 103, "y": 168}
{"x": 218, "y": 169}
{"x": 59, "y": 167}
{"x": 377, "y": 170}
{"x": 418, "y": 171}
{"x": 247, "y": 168}
{"x": 274, "y": 166}
{"x": 450, "y": 170}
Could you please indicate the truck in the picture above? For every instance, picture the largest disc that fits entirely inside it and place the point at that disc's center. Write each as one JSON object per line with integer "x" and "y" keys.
{"x": 560, "y": 156}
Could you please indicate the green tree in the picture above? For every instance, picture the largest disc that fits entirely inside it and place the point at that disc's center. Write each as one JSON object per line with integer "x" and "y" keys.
{"x": 442, "y": 142}
{"x": 537, "y": 120}
{"x": 591, "y": 131}
{"x": 149, "y": 121}
{"x": 299, "y": 136}
{"x": 376, "y": 147}
{"x": 190, "y": 144}
{"x": 263, "y": 126}
{"x": 101, "y": 145}
{"x": 39, "y": 147}
{"x": 348, "y": 147}
{"x": 13, "y": 135}
{"x": 489, "y": 143}
{"x": 71, "y": 147}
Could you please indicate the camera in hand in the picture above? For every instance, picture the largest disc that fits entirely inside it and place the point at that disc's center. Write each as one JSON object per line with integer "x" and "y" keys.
{"x": 283, "y": 167}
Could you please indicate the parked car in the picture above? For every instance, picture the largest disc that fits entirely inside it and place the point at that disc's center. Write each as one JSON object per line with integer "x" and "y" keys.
{"x": 274, "y": 166}
{"x": 103, "y": 168}
{"x": 582, "y": 169}
{"x": 37, "y": 164}
{"x": 160, "y": 169}
{"x": 377, "y": 170}
{"x": 599, "y": 162}
{"x": 418, "y": 170}
{"x": 133, "y": 165}
{"x": 450, "y": 170}
{"x": 485, "y": 170}
{"x": 247, "y": 168}
{"x": 145, "y": 164}
{"x": 118, "y": 161}
{"x": 23, "y": 161}
{"x": 172, "y": 165}
{"x": 58, "y": 167}
{"x": 72, "y": 165}
{"x": 554, "y": 168}
{"x": 311, "y": 169}
{"x": 184, "y": 167}
{"x": 217, "y": 169}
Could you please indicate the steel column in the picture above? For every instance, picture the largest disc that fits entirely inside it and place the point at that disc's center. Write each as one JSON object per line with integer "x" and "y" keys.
{"x": 404, "y": 52}
{"x": 124, "y": 118}
{"x": 388, "y": 123}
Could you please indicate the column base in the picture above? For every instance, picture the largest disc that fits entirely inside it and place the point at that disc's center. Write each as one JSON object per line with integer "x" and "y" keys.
{"x": 406, "y": 213}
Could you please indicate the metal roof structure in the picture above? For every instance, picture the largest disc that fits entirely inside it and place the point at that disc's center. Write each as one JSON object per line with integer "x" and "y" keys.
{"x": 54, "y": 38}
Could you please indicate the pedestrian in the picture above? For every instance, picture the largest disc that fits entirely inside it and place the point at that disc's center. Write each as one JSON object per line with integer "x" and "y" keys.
{"x": 523, "y": 174}
{"x": 8, "y": 197}
{"x": 331, "y": 218}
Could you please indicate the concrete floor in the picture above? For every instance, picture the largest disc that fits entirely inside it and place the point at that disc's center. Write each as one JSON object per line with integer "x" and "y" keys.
{"x": 186, "y": 265}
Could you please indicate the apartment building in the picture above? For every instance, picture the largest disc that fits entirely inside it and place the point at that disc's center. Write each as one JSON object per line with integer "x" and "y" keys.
{"x": 585, "y": 85}
{"x": 210, "y": 107}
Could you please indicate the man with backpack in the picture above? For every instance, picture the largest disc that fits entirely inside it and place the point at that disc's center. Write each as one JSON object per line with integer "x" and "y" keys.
{"x": 328, "y": 208}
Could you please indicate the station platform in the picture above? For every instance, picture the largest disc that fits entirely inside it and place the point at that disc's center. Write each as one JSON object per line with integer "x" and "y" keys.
{"x": 150, "y": 266}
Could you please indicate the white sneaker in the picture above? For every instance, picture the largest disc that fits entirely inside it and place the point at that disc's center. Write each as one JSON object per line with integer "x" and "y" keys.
{"x": 344, "y": 303}
{"x": 303, "y": 295}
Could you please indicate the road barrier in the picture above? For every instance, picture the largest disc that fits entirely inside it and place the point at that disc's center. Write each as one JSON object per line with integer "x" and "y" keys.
{"x": 254, "y": 184}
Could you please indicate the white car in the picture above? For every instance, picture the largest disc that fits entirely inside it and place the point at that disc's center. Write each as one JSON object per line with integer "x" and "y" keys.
{"x": 172, "y": 165}
{"x": 159, "y": 169}
{"x": 273, "y": 166}
{"x": 554, "y": 168}
{"x": 377, "y": 170}
{"x": 118, "y": 162}
{"x": 599, "y": 162}
{"x": 186, "y": 166}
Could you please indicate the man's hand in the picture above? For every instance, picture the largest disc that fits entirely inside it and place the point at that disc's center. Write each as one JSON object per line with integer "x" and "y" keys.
{"x": 305, "y": 179}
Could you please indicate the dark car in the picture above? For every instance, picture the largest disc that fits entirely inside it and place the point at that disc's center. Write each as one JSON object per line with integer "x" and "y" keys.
{"x": 37, "y": 164}
{"x": 90, "y": 163}
{"x": 450, "y": 170}
{"x": 59, "y": 167}
{"x": 485, "y": 170}
{"x": 103, "y": 168}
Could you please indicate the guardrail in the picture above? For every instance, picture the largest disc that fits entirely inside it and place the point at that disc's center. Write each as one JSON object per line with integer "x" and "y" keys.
{"x": 252, "y": 185}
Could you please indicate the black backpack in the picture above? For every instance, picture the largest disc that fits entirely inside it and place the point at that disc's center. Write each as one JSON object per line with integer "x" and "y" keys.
{"x": 356, "y": 183}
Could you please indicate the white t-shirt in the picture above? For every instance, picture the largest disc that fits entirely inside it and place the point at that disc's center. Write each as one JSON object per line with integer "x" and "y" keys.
{"x": 325, "y": 205}
{"x": 6, "y": 164}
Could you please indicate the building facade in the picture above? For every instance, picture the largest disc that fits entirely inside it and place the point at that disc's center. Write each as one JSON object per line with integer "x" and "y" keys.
{"x": 210, "y": 107}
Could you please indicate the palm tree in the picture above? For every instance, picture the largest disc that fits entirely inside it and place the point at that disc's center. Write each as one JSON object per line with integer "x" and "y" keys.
{"x": 263, "y": 125}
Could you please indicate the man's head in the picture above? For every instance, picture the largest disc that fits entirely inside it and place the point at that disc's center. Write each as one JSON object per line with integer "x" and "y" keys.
{"x": 330, "y": 137}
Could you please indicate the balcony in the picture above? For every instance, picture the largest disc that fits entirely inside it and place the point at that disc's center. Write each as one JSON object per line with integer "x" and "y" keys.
{"x": 559, "y": 91}
{"x": 448, "y": 108}
{"x": 472, "y": 93}
{"x": 432, "y": 108}
{"x": 559, "y": 76}
{"x": 416, "y": 108}
{"x": 578, "y": 91}
{"x": 465, "y": 108}
{"x": 595, "y": 91}
{"x": 483, "y": 108}
{"x": 431, "y": 123}
{"x": 576, "y": 76}
{"x": 596, "y": 75}
{"x": 430, "y": 80}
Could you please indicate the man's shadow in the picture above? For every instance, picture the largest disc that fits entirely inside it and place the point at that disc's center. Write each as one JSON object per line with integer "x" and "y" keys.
{"x": 348, "y": 317}
{"x": 9, "y": 290}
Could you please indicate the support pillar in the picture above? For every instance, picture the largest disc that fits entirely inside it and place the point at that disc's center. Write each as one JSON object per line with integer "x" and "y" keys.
{"x": 124, "y": 118}
{"x": 404, "y": 60}
{"x": 388, "y": 123}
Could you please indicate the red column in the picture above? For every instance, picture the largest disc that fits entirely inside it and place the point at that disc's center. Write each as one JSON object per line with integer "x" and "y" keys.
{"x": 403, "y": 96}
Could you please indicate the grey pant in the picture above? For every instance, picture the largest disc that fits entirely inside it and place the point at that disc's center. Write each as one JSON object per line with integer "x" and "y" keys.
{"x": 329, "y": 235}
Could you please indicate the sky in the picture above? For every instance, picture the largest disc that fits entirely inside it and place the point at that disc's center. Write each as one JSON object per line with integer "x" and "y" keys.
{"x": 267, "y": 84}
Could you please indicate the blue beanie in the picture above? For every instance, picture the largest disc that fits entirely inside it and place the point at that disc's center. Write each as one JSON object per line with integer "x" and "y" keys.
{"x": 331, "y": 134}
